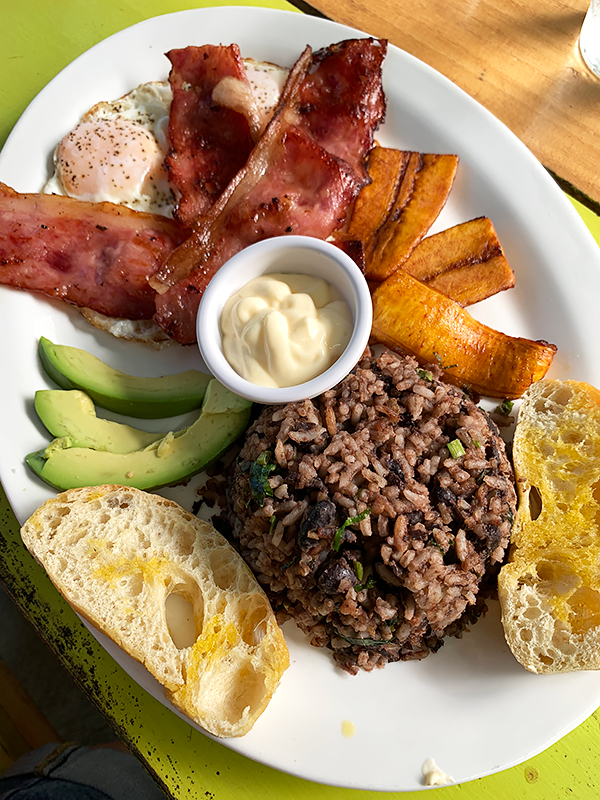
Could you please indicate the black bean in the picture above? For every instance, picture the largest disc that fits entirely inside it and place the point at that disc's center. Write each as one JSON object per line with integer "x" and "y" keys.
{"x": 333, "y": 573}
{"x": 320, "y": 521}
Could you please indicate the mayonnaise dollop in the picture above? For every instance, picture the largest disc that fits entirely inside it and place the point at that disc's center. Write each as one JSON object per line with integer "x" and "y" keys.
{"x": 281, "y": 330}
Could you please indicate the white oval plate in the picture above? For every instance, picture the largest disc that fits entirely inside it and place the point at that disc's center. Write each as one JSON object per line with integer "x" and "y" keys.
{"x": 471, "y": 706}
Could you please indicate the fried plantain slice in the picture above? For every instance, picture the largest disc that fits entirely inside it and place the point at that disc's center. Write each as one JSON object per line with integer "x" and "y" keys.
{"x": 408, "y": 314}
{"x": 467, "y": 243}
{"x": 472, "y": 283}
{"x": 375, "y": 200}
{"x": 465, "y": 262}
{"x": 423, "y": 188}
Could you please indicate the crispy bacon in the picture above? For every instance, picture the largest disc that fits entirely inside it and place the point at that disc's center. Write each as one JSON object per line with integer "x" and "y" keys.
{"x": 200, "y": 248}
{"x": 304, "y": 191}
{"x": 292, "y": 182}
{"x": 209, "y": 142}
{"x": 93, "y": 255}
{"x": 340, "y": 102}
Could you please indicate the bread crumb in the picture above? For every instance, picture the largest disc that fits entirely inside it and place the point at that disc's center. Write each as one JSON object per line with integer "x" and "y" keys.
{"x": 433, "y": 775}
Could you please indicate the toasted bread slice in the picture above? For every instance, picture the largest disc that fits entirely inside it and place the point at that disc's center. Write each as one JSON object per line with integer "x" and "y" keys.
{"x": 171, "y": 591}
{"x": 550, "y": 588}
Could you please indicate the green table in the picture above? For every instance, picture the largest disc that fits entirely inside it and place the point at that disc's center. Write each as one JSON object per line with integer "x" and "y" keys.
{"x": 39, "y": 39}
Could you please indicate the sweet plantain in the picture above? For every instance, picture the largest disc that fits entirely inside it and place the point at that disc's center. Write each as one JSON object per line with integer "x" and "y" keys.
{"x": 465, "y": 262}
{"x": 424, "y": 185}
{"x": 410, "y": 315}
{"x": 375, "y": 200}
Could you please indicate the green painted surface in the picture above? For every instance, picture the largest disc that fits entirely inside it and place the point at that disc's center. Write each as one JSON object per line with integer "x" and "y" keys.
{"x": 45, "y": 37}
{"x": 591, "y": 220}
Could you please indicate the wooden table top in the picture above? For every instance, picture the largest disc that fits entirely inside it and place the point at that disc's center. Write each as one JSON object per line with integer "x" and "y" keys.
{"x": 518, "y": 58}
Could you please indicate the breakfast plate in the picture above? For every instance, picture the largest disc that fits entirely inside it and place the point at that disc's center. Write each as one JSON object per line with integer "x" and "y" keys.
{"x": 471, "y": 706}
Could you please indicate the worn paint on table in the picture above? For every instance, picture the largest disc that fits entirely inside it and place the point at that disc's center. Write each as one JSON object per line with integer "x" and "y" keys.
{"x": 189, "y": 765}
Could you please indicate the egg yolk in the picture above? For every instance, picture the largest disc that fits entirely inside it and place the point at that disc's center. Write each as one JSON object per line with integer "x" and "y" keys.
{"x": 110, "y": 160}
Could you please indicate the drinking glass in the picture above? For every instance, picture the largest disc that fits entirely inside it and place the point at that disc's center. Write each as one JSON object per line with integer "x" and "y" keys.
{"x": 589, "y": 38}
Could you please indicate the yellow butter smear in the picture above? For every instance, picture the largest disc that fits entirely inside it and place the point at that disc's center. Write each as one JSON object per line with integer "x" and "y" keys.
{"x": 284, "y": 329}
{"x": 217, "y": 639}
{"x": 560, "y": 543}
{"x": 123, "y": 567}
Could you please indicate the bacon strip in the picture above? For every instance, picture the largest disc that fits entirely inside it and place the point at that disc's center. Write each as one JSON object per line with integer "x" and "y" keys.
{"x": 93, "y": 255}
{"x": 341, "y": 102}
{"x": 291, "y": 183}
{"x": 200, "y": 246}
{"x": 304, "y": 191}
{"x": 210, "y": 142}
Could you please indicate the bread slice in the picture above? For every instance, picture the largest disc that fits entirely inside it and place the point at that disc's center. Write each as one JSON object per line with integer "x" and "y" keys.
{"x": 550, "y": 588}
{"x": 171, "y": 591}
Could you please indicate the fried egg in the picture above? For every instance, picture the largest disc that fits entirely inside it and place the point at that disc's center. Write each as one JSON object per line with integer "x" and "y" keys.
{"x": 116, "y": 152}
{"x": 266, "y": 82}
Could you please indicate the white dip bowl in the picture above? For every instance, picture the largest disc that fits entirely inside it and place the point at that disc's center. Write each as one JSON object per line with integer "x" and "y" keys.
{"x": 284, "y": 254}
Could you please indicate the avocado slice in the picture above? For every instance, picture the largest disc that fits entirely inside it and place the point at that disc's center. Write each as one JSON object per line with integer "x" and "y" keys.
{"x": 219, "y": 399}
{"x": 71, "y": 413}
{"x": 172, "y": 459}
{"x": 144, "y": 398}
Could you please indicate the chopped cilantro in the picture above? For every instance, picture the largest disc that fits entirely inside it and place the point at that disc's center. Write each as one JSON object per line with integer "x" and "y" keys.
{"x": 337, "y": 539}
{"x": 358, "y": 569}
{"x": 362, "y": 642}
{"x": 273, "y": 522}
{"x": 505, "y": 407}
{"x": 425, "y": 374}
{"x": 438, "y": 358}
{"x": 368, "y": 584}
{"x": 481, "y": 476}
{"x": 260, "y": 471}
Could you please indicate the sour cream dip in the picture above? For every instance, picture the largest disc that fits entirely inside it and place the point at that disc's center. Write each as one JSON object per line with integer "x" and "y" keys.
{"x": 284, "y": 329}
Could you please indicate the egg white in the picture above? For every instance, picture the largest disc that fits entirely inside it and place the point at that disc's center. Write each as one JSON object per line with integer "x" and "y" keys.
{"x": 141, "y": 116}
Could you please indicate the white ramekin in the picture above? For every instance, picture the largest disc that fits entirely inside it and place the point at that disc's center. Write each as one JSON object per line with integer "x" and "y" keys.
{"x": 284, "y": 254}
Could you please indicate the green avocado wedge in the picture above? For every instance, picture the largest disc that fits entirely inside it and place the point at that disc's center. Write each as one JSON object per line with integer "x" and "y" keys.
{"x": 144, "y": 398}
{"x": 219, "y": 399}
{"x": 71, "y": 413}
{"x": 172, "y": 459}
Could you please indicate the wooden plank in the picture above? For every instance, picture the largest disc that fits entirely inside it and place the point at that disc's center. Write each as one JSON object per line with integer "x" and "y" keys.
{"x": 518, "y": 58}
